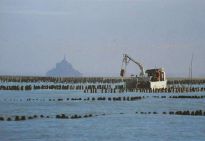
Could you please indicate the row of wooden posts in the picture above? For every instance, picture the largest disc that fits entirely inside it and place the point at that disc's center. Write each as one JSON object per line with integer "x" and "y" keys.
{"x": 103, "y": 88}
{"x": 186, "y": 81}
{"x": 102, "y": 98}
{"x": 122, "y": 98}
{"x": 58, "y": 87}
{"x": 36, "y": 79}
{"x": 77, "y": 116}
{"x": 145, "y": 90}
{"x": 59, "y": 116}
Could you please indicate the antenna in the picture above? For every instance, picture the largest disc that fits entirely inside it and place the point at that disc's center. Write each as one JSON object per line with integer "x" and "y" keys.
{"x": 191, "y": 73}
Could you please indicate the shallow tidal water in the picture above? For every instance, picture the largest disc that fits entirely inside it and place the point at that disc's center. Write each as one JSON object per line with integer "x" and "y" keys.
{"x": 116, "y": 120}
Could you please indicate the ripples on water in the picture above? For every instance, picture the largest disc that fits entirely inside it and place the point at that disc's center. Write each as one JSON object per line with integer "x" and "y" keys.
{"x": 112, "y": 126}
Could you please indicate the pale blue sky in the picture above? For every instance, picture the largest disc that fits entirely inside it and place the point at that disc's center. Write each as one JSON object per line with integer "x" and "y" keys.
{"x": 93, "y": 34}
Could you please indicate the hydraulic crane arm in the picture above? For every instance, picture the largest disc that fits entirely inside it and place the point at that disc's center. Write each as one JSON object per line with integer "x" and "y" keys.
{"x": 126, "y": 60}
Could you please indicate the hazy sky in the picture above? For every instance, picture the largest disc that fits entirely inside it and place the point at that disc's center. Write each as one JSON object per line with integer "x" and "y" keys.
{"x": 93, "y": 34}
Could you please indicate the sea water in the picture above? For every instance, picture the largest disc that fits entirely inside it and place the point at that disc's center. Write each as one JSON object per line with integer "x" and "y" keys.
{"x": 113, "y": 126}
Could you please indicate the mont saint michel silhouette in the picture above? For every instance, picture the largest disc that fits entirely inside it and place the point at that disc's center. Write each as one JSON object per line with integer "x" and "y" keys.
{"x": 64, "y": 69}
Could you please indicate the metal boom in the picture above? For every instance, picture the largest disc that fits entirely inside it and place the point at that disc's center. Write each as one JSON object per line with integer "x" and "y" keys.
{"x": 126, "y": 60}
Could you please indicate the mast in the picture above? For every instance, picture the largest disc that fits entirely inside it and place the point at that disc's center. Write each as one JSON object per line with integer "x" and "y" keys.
{"x": 190, "y": 69}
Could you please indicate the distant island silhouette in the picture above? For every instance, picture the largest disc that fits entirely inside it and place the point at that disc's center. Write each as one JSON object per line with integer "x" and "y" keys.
{"x": 64, "y": 69}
